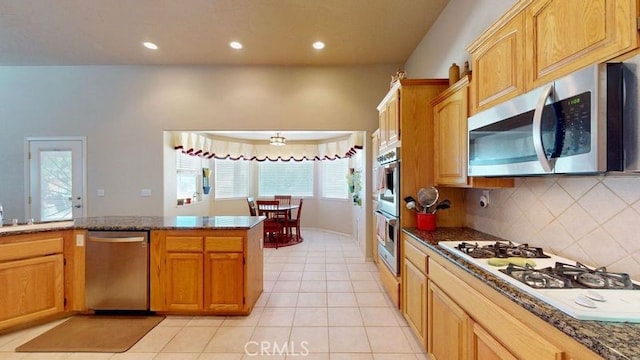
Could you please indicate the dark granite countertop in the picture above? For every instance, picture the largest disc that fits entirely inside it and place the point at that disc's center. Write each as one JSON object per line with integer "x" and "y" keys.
{"x": 141, "y": 223}
{"x": 611, "y": 340}
{"x": 133, "y": 223}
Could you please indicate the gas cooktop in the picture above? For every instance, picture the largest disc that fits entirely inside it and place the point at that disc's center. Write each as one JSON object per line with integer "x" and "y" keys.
{"x": 580, "y": 291}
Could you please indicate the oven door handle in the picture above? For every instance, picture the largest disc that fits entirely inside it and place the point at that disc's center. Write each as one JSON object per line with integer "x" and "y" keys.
{"x": 547, "y": 164}
{"x": 386, "y": 216}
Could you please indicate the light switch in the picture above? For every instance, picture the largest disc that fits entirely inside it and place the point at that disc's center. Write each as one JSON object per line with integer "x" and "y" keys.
{"x": 100, "y": 192}
{"x": 145, "y": 192}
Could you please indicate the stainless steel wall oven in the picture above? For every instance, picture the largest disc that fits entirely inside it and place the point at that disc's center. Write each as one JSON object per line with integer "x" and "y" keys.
{"x": 388, "y": 212}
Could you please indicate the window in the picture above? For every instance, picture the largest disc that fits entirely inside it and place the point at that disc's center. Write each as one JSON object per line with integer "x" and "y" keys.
{"x": 231, "y": 178}
{"x": 285, "y": 177}
{"x": 188, "y": 175}
{"x": 334, "y": 178}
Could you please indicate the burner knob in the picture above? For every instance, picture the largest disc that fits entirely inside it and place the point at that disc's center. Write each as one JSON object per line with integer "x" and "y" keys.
{"x": 585, "y": 301}
{"x": 594, "y": 295}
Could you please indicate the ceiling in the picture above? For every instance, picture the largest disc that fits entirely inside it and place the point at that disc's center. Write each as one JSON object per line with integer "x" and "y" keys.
{"x": 198, "y": 32}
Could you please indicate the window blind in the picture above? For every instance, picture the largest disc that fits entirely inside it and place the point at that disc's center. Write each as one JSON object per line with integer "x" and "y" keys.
{"x": 291, "y": 178}
{"x": 334, "y": 179}
{"x": 231, "y": 178}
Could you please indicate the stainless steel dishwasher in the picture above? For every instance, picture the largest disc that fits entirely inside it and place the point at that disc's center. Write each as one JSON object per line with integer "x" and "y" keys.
{"x": 117, "y": 270}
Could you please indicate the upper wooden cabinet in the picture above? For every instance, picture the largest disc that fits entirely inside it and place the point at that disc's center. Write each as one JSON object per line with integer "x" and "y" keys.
{"x": 538, "y": 41}
{"x": 566, "y": 35}
{"x": 450, "y": 112}
{"x": 389, "y": 120}
{"x": 450, "y": 121}
{"x": 498, "y": 64}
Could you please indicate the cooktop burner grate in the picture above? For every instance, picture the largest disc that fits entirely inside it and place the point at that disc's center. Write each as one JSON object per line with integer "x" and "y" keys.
{"x": 501, "y": 250}
{"x": 598, "y": 278}
{"x": 563, "y": 276}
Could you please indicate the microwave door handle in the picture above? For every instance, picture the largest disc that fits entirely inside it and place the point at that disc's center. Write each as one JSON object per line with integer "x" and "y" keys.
{"x": 547, "y": 164}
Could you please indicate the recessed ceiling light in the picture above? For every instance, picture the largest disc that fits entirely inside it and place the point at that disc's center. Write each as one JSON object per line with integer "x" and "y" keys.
{"x": 318, "y": 45}
{"x": 236, "y": 45}
{"x": 150, "y": 45}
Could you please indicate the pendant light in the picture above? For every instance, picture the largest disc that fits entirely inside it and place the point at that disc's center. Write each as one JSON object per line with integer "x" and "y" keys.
{"x": 277, "y": 140}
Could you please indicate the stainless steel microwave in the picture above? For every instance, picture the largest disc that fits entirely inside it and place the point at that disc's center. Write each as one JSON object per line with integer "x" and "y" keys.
{"x": 571, "y": 126}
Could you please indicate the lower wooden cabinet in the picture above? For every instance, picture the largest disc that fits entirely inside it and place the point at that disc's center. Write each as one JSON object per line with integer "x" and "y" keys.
{"x": 415, "y": 300}
{"x": 206, "y": 271}
{"x": 184, "y": 282}
{"x": 223, "y": 282}
{"x": 464, "y": 324}
{"x": 483, "y": 346}
{"x": 31, "y": 278}
{"x": 447, "y": 326}
{"x": 457, "y": 316}
{"x": 415, "y": 289}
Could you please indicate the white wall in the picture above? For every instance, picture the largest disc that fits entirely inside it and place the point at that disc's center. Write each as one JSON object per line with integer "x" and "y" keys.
{"x": 123, "y": 111}
{"x": 458, "y": 25}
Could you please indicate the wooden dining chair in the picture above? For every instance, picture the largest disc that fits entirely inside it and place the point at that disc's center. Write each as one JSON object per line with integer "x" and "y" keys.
{"x": 294, "y": 223}
{"x": 283, "y": 199}
{"x": 252, "y": 206}
{"x": 272, "y": 226}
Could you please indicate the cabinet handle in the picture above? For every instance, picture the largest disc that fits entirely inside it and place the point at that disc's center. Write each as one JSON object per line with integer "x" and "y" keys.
{"x": 117, "y": 239}
{"x": 547, "y": 164}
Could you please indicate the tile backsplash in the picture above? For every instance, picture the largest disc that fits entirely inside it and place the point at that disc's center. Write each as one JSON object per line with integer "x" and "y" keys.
{"x": 592, "y": 219}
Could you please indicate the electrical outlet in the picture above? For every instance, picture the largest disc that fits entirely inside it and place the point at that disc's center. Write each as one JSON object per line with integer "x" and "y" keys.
{"x": 80, "y": 240}
{"x": 145, "y": 192}
{"x": 100, "y": 192}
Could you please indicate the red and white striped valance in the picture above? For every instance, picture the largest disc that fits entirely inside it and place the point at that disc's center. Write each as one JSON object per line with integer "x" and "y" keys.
{"x": 225, "y": 148}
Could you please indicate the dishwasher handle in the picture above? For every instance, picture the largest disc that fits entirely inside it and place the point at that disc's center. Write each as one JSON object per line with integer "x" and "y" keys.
{"x": 132, "y": 239}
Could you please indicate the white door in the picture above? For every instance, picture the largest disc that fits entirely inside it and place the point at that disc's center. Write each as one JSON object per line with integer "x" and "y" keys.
{"x": 56, "y": 179}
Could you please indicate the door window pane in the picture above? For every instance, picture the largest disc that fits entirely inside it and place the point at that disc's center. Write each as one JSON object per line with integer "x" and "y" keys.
{"x": 55, "y": 185}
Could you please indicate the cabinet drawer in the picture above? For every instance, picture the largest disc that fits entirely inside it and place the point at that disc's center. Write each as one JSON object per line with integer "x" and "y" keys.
{"x": 184, "y": 243}
{"x": 28, "y": 249}
{"x": 415, "y": 256}
{"x": 223, "y": 243}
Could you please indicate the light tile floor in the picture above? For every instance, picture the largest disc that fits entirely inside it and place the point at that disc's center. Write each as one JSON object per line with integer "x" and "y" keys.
{"x": 321, "y": 300}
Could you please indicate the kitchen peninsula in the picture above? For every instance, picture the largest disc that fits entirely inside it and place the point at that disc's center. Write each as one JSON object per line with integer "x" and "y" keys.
{"x": 198, "y": 265}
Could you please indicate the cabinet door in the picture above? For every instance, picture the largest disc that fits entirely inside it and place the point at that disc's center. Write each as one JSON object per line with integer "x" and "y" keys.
{"x": 223, "y": 281}
{"x": 483, "y": 346}
{"x": 450, "y": 119}
{"x": 566, "y": 35}
{"x": 447, "y": 326}
{"x": 31, "y": 289}
{"x": 383, "y": 127}
{"x": 415, "y": 298}
{"x": 498, "y": 65}
{"x": 184, "y": 283}
{"x": 393, "y": 120}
